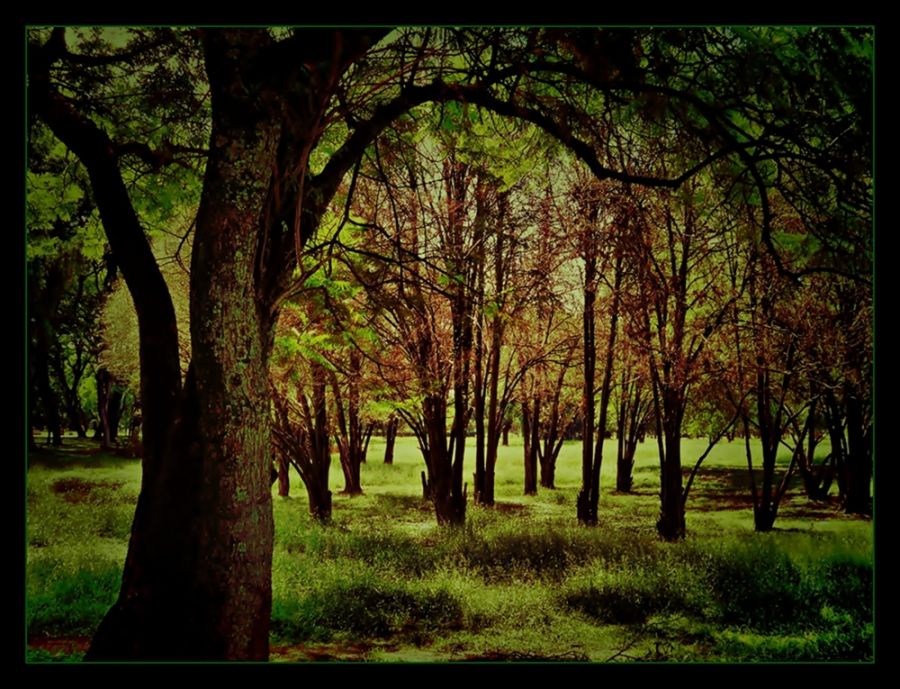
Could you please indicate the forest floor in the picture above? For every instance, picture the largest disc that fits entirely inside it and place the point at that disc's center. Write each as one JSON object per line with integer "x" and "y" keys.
{"x": 520, "y": 581}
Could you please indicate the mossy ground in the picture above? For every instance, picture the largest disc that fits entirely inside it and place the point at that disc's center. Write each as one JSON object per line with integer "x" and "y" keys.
{"x": 521, "y": 581}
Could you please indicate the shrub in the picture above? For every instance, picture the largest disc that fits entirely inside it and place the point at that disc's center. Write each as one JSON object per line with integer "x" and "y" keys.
{"x": 366, "y": 609}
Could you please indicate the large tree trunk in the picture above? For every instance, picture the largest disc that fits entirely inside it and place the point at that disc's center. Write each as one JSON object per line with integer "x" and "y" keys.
{"x": 440, "y": 486}
{"x": 197, "y": 580}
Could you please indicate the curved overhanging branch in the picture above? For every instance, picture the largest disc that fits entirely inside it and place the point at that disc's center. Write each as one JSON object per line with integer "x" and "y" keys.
{"x": 321, "y": 188}
{"x": 439, "y": 91}
{"x": 712, "y": 117}
{"x": 160, "y": 367}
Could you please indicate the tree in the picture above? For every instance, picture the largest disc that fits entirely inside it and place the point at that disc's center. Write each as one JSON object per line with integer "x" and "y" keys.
{"x": 842, "y": 374}
{"x": 300, "y": 429}
{"x": 632, "y": 407}
{"x": 65, "y": 262}
{"x": 684, "y": 305}
{"x": 289, "y": 114}
{"x": 602, "y": 215}
{"x": 426, "y": 308}
{"x": 390, "y": 436}
{"x": 770, "y": 352}
{"x": 543, "y": 339}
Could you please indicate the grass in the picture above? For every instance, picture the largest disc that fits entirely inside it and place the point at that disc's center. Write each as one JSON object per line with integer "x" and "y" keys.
{"x": 518, "y": 582}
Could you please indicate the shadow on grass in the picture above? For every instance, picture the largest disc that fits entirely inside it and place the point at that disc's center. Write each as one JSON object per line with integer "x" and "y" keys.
{"x": 78, "y": 453}
{"x": 728, "y": 488}
{"x": 511, "y": 508}
{"x": 398, "y": 504}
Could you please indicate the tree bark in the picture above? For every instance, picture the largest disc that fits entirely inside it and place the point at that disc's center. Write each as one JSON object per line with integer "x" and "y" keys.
{"x": 496, "y": 411}
{"x": 350, "y": 437}
{"x": 74, "y": 413}
{"x": 390, "y": 436}
{"x": 115, "y": 403}
{"x": 104, "y": 390}
{"x": 480, "y": 493}
{"x": 48, "y": 397}
{"x": 631, "y": 415}
{"x": 448, "y": 498}
{"x": 858, "y": 466}
{"x": 284, "y": 475}
{"x": 197, "y": 579}
{"x": 671, "y": 524}
{"x": 301, "y": 439}
{"x": 531, "y": 431}
{"x": 587, "y": 513}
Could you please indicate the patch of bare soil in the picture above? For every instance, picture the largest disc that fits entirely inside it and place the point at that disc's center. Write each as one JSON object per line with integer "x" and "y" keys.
{"x": 517, "y": 656}
{"x": 510, "y": 507}
{"x": 68, "y": 645}
{"x": 78, "y": 490}
{"x": 320, "y": 653}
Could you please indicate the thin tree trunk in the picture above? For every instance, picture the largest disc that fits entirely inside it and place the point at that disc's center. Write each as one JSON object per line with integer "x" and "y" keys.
{"x": 115, "y": 406}
{"x": 553, "y": 434}
{"x": 671, "y": 524}
{"x": 586, "y": 515}
{"x": 532, "y": 447}
{"x": 480, "y": 493}
{"x": 606, "y": 385}
{"x": 478, "y": 392}
{"x": 104, "y": 388}
{"x": 494, "y": 410}
{"x": 50, "y": 400}
{"x": 349, "y": 426}
{"x": 858, "y": 473}
{"x": 390, "y": 436}
{"x": 284, "y": 475}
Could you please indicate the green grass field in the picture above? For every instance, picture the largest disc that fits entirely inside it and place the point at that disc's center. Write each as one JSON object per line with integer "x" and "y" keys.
{"x": 520, "y": 581}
